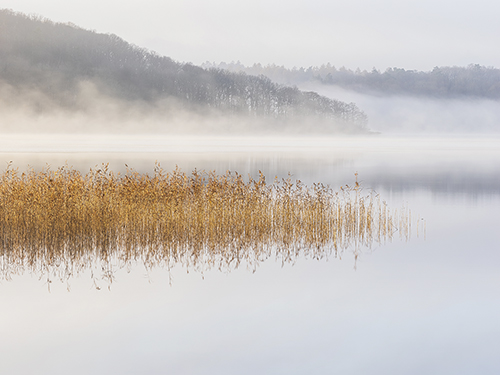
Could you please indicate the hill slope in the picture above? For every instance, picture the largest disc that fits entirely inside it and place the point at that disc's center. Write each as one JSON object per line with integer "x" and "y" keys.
{"x": 442, "y": 82}
{"x": 51, "y": 66}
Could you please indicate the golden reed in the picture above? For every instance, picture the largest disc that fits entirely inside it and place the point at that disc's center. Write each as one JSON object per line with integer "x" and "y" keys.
{"x": 63, "y": 222}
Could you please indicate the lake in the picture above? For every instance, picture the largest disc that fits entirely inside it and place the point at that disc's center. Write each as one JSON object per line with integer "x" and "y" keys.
{"x": 426, "y": 305}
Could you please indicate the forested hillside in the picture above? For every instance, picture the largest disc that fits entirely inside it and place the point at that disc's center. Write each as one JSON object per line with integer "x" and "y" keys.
{"x": 451, "y": 82}
{"x": 37, "y": 55}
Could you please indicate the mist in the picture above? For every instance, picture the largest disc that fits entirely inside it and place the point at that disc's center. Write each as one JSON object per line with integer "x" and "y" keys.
{"x": 90, "y": 110}
{"x": 93, "y": 112}
{"x": 61, "y": 74}
{"x": 59, "y": 78}
{"x": 395, "y": 114}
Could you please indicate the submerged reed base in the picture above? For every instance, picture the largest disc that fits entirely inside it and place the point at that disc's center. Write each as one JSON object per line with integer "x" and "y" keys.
{"x": 57, "y": 224}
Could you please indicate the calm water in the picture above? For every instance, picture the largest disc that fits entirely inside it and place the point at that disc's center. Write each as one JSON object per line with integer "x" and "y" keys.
{"x": 426, "y": 306}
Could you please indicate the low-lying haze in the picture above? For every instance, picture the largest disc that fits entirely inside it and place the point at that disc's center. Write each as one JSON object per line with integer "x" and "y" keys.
{"x": 92, "y": 111}
{"x": 420, "y": 114}
{"x": 51, "y": 69}
{"x": 58, "y": 78}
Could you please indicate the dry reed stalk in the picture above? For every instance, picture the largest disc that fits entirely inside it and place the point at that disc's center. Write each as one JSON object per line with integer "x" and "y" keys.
{"x": 63, "y": 222}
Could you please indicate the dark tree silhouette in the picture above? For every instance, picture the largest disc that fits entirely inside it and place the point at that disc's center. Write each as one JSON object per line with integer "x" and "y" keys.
{"x": 55, "y": 58}
{"x": 471, "y": 81}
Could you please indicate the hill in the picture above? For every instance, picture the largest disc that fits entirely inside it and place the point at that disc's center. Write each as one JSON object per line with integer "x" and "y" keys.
{"x": 442, "y": 82}
{"x": 47, "y": 67}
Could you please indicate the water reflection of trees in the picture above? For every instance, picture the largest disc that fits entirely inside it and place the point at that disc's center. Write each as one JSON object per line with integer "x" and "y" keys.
{"x": 58, "y": 224}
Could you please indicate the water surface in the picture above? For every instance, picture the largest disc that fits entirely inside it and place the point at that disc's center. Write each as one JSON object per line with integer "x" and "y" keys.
{"x": 428, "y": 305}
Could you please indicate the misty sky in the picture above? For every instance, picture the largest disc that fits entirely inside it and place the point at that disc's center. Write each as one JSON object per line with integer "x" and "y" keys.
{"x": 356, "y": 33}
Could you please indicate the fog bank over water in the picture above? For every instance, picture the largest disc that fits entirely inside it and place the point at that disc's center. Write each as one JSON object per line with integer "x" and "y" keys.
{"x": 90, "y": 110}
{"x": 410, "y": 146}
{"x": 411, "y": 114}
{"x": 93, "y": 112}
{"x": 455, "y": 165}
{"x": 60, "y": 77}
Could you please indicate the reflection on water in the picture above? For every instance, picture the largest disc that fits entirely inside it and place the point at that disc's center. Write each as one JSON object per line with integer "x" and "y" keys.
{"x": 446, "y": 166}
{"x": 424, "y": 306}
{"x": 59, "y": 223}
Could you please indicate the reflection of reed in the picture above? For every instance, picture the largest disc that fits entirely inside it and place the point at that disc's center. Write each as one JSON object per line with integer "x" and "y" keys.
{"x": 62, "y": 222}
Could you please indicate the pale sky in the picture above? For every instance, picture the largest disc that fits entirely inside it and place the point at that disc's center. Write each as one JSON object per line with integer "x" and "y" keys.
{"x": 413, "y": 34}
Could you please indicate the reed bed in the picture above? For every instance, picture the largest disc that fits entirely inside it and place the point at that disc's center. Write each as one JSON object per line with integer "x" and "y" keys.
{"x": 58, "y": 223}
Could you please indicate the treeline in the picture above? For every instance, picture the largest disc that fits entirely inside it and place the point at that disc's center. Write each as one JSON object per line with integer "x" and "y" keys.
{"x": 472, "y": 81}
{"x": 54, "y": 58}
